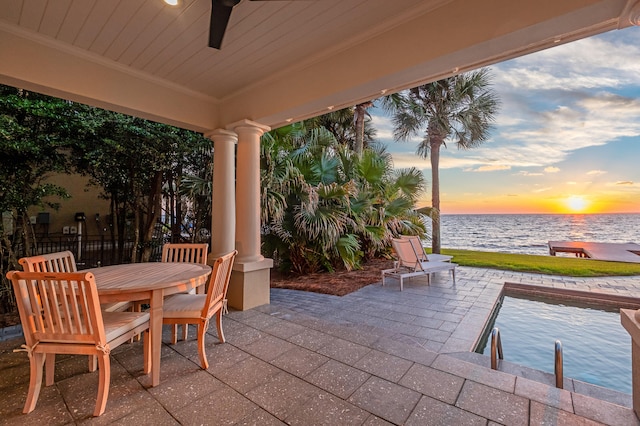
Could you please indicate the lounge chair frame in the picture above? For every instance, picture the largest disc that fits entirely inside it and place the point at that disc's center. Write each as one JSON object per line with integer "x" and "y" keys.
{"x": 409, "y": 264}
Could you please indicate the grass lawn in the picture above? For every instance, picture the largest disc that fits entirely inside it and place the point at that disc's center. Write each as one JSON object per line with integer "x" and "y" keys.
{"x": 553, "y": 265}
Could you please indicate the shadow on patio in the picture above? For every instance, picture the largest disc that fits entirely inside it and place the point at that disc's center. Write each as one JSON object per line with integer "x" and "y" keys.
{"x": 376, "y": 356}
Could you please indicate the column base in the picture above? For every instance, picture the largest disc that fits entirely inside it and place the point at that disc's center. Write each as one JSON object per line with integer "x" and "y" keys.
{"x": 250, "y": 284}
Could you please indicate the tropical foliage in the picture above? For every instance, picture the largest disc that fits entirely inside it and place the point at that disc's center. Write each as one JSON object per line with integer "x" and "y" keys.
{"x": 324, "y": 207}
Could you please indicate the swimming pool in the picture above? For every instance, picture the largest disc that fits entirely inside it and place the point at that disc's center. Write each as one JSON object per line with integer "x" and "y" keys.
{"x": 596, "y": 348}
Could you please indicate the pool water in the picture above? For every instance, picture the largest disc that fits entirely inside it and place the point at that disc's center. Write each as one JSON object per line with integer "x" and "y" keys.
{"x": 596, "y": 348}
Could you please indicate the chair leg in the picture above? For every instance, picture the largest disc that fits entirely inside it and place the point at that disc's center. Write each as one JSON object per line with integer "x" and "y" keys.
{"x": 174, "y": 334}
{"x": 104, "y": 367}
{"x": 185, "y": 331}
{"x": 146, "y": 348}
{"x": 35, "y": 381}
{"x": 135, "y": 307}
{"x": 93, "y": 363}
{"x": 204, "y": 363}
{"x": 50, "y": 367}
{"x": 219, "y": 326}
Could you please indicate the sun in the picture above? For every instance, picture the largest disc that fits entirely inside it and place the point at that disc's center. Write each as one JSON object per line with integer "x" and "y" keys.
{"x": 577, "y": 204}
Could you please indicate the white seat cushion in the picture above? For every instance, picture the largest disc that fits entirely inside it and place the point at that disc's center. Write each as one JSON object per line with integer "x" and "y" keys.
{"x": 184, "y": 305}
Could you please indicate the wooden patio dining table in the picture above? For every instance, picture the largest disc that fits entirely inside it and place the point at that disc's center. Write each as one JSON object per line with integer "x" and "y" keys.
{"x": 149, "y": 281}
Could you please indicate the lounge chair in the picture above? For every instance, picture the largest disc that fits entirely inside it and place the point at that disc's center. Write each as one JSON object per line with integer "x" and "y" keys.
{"x": 409, "y": 263}
{"x": 422, "y": 255}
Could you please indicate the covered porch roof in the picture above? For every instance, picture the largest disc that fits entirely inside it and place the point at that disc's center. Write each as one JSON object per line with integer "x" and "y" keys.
{"x": 280, "y": 61}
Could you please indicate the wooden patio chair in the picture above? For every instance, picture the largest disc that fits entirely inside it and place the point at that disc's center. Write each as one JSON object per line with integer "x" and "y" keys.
{"x": 60, "y": 313}
{"x": 409, "y": 263}
{"x": 185, "y": 253}
{"x": 63, "y": 261}
{"x": 422, "y": 255}
{"x": 198, "y": 309}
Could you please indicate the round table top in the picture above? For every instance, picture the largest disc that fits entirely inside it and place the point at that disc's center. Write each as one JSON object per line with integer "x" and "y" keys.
{"x": 149, "y": 276}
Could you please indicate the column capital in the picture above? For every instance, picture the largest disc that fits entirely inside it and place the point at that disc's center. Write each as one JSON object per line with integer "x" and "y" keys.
{"x": 248, "y": 124}
{"x": 220, "y": 134}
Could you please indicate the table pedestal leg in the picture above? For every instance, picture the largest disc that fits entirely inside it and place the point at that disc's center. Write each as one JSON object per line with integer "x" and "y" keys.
{"x": 155, "y": 330}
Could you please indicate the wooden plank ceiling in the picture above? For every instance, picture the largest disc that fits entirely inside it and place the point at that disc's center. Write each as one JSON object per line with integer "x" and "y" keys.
{"x": 170, "y": 42}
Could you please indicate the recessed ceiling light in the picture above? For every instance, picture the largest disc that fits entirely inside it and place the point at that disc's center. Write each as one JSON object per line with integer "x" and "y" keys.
{"x": 172, "y": 2}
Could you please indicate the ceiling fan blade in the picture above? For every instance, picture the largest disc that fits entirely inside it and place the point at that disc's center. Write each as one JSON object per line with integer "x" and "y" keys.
{"x": 220, "y": 13}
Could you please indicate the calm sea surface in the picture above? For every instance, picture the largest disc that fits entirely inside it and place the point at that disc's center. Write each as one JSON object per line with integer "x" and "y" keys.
{"x": 530, "y": 233}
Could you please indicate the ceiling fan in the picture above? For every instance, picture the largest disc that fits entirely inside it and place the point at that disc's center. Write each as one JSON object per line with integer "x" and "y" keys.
{"x": 220, "y": 13}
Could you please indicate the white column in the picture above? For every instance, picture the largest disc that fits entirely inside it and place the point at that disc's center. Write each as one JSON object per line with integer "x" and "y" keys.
{"x": 248, "y": 190}
{"x": 223, "y": 213}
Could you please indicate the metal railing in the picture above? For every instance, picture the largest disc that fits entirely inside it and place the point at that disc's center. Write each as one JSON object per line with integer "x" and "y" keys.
{"x": 559, "y": 365}
{"x": 89, "y": 251}
{"x": 496, "y": 353}
{"x": 496, "y": 348}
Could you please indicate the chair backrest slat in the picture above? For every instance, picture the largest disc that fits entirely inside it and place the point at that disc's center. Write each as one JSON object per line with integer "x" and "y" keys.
{"x": 58, "y": 307}
{"x": 218, "y": 283}
{"x": 62, "y": 261}
{"x": 185, "y": 253}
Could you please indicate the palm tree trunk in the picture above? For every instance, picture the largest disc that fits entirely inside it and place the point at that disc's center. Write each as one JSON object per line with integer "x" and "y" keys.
{"x": 435, "y": 195}
{"x": 359, "y": 114}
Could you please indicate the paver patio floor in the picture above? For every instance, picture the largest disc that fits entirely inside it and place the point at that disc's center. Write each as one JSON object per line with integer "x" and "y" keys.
{"x": 377, "y": 356}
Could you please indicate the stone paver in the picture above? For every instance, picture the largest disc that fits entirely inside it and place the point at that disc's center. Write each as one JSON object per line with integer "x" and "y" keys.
{"x": 548, "y": 395}
{"x": 494, "y": 404}
{"x": 386, "y": 399}
{"x": 377, "y": 356}
{"x": 383, "y": 365}
{"x": 338, "y": 378}
{"x": 430, "y": 411}
{"x": 434, "y": 383}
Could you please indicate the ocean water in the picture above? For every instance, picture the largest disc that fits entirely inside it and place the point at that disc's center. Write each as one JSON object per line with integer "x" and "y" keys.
{"x": 530, "y": 233}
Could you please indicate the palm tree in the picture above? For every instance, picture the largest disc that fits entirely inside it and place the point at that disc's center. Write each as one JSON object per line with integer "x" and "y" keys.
{"x": 459, "y": 108}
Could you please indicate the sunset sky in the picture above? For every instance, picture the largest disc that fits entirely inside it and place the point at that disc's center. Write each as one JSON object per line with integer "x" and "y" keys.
{"x": 567, "y": 138}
